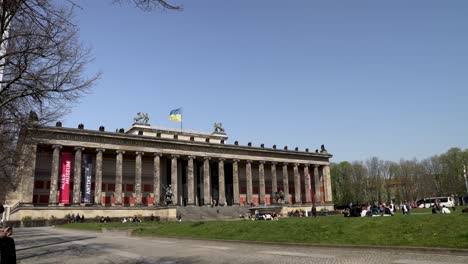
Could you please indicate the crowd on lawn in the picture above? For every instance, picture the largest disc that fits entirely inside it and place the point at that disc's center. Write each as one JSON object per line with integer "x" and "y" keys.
{"x": 390, "y": 209}
{"x": 260, "y": 216}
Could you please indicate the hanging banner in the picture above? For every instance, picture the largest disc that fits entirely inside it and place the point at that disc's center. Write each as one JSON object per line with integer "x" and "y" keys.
{"x": 65, "y": 179}
{"x": 88, "y": 168}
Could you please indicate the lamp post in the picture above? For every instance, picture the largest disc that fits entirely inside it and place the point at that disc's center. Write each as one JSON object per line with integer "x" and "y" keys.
{"x": 466, "y": 181}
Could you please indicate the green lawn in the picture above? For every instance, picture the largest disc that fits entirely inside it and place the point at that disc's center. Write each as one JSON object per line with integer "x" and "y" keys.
{"x": 428, "y": 230}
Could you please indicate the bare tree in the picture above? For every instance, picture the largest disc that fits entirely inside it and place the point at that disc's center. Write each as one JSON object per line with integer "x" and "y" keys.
{"x": 42, "y": 64}
{"x": 150, "y": 5}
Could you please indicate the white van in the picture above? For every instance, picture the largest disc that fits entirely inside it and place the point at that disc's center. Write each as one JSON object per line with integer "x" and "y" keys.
{"x": 429, "y": 202}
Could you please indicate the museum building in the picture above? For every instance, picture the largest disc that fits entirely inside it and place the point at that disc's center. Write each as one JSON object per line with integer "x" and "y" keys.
{"x": 146, "y": 167}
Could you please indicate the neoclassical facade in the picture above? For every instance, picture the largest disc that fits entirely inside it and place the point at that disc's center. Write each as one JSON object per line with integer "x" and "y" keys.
{"x": 81, "y": 167}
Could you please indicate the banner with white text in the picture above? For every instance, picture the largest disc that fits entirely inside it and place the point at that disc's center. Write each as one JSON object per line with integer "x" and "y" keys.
{"x": 65, "y": 179}
{"x": 88, "y": 168}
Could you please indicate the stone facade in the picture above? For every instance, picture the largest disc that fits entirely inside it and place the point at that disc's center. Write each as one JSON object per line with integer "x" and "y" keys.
{"x": 132, "y": 169}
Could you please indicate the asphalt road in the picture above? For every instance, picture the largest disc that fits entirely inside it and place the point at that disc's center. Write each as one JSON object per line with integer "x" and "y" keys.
{"x": 55, "y": 245}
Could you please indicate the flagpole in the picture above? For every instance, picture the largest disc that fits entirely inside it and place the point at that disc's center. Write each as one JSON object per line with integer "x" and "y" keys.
{"x": 180, "y": 125}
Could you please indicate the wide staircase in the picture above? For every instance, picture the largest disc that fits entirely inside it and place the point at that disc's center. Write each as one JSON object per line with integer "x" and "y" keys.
{"x": 203, "y": 213}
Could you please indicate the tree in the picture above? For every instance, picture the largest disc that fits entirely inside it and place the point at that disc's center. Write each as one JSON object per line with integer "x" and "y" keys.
{"x": 150, "y": 5}
{"x": 42, "y": 67}
{"x": 342, "y": 188}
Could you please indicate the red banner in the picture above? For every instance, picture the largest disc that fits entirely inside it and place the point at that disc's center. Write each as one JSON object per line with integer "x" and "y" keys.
{"x": 65, "y": 180}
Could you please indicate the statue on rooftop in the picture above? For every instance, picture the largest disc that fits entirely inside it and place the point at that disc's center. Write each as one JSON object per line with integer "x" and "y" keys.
{"x": 141, "y": 118}
{"x": 322, "y": 149}
{"x": 218, "y": 128}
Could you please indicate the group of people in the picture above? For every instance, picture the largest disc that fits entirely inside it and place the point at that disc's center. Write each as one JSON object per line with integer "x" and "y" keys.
{"x": 72, "y": 218}
{"x": 438, "y": 209}
{"x": 134, "y": 219}
{"x": 103, "y": 219}
{"x": 297, "y": 213}
{"x": 375, "y": 209}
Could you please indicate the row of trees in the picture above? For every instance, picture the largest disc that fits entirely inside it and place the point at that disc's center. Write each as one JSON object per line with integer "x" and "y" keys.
{"x": 376, "y": 179}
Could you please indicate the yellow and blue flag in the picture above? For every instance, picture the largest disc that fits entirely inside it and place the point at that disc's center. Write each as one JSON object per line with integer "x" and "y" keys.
{"x": 176, "y": 115}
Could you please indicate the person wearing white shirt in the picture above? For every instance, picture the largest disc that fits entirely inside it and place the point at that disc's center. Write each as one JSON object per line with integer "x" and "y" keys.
{"x": 445, "y": 210}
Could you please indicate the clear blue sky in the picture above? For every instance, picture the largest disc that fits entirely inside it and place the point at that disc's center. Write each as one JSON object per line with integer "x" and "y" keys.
{"x": 365, "y": 78}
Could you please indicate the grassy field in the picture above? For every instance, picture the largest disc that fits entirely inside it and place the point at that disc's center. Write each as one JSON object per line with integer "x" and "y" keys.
{"x": 427, "y": 230}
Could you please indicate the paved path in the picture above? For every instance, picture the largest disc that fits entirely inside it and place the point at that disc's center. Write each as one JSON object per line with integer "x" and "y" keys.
{"x": 55, "y": 245}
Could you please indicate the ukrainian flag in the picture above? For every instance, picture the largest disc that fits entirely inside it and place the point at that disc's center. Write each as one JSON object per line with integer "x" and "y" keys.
{"x": 176, "y": 115}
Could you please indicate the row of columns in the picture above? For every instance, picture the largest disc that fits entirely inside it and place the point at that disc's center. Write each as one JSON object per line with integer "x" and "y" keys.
{"x": 321, "y": 178}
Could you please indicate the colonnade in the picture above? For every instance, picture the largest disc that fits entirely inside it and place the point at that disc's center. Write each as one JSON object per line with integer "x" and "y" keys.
{"x": 316, "y": 178}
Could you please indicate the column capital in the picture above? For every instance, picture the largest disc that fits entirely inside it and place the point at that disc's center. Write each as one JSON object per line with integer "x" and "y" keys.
{"x": 285, "y": 163}
{"x": 191, "y": 157}
{"x": 235, "y": 160}
{"x": 157, "y": 154}
{"x": 120, "y": 151}
{"x": 249, "y": 161}
{"x": 100, "y": 150}
{"x": 315, "y": 165}
{"x": 221, "y": 159}
{"x": 273, "y": 163}
{"x": 57, "y": 146}
{"x": 297, "y": 164}
{"x": 175, "y": 156}
{"x": 79, "y": 148}
{"x": 261, "y": 162}
{"x": 207, "y": 158}
{"x": 139, "y": 153}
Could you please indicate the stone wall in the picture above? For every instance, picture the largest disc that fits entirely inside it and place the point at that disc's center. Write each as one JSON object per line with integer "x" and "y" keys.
{"x": 165, "y": 214}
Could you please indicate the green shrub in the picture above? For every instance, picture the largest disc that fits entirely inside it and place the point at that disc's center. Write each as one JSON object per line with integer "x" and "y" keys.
{"x": 26, "y": 219}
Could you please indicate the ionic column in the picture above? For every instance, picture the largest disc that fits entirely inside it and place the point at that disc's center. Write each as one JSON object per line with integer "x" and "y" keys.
{"x": 221, "y": 187}
{"x": 174, "y": 186}
{"x": 274, "y": 181}
{"x": 297, "y": 184}
{"x": 138, "y": 168}
{"x": 190, "y": 182}
{"x": 77, "y": 176}
{"x": 248, "y": 169}
{"x": 235, "y": 180}
{"x": 327, "y": 183}
{"x": 118, "y": 176}
{"x": 54, "y": 175}
{"x": 206, "y": 181}
{"x": 285, "y": 181}
{"x": 317, "y": 183}
{"x": 157, "y": 178}
{"x": 98, "y": 181}
{"x": 261, "y": 178}
{"x": 308, "y": 187}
